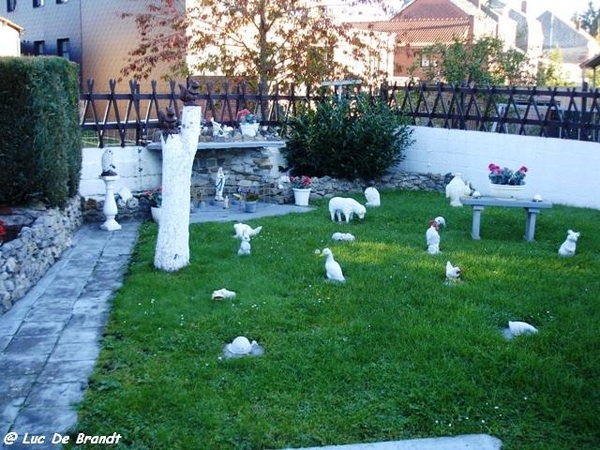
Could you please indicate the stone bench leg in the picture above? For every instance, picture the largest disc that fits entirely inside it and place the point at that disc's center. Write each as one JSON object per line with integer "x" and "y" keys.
{"x": 530, "y": 224}
{"x": 476, "y": 222}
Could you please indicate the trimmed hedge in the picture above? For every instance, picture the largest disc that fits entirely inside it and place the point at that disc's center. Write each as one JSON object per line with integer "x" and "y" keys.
{"x": 40, "y": 136}
{"x": 345, "y": 138}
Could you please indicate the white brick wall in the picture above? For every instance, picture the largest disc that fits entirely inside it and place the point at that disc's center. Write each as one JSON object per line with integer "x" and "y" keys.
{"x": 562, "y": 171}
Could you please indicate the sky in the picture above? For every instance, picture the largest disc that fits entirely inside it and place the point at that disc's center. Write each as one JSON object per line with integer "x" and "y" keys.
{"x": 563, "y": 8}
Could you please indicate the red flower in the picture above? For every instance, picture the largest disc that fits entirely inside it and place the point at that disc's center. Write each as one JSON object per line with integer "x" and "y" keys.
{"x": 523, "y": 169}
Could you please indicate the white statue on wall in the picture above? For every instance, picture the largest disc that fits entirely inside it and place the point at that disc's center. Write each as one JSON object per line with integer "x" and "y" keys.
{"x": 220, "y": 184}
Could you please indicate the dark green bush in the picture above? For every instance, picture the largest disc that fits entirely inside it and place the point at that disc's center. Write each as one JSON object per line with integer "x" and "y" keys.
{"x": 346, "y": 139}
{"x": 40, "y": 136}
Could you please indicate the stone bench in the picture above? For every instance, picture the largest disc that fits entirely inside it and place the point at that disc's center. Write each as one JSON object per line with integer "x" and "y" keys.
{"x": 532, "y": 209}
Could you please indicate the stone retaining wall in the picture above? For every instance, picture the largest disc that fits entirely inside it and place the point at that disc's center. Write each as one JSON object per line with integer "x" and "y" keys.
{"x": 44, "y": 235}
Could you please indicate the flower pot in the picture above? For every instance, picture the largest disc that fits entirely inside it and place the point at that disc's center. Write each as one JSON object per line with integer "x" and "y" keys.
{"x": 249, "y": 129}
{"x": 250, "y": 207}
{"x": 155, "y": 211}
{"x": 506, "y": 191}
{"x": 301, "y": 196}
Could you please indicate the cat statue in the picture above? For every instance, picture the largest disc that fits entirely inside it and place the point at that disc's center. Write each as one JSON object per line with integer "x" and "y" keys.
{"x": 244, "y": 245}
{"x": 372, "y": 196}
{"x": 568, "y": 247}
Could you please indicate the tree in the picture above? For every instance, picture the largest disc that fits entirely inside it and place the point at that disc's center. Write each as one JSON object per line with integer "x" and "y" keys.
{"x": 589, "y": 20}
{"x": 550, "y": 71}
{"x": 484, "y": 61}
{"x": 260, "y": 40}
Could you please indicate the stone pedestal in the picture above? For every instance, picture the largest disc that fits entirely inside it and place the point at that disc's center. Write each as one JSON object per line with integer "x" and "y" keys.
{"x": 110, "y": 206}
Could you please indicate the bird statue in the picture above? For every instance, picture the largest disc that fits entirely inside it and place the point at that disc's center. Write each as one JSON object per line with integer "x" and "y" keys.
{"x": 188, "y": 95}
{"x": 333, "y": 270}
{"x": 433, "y": 238}
{"x": 244, "y": 245}
{"x": 452, "y": 272}
{"x": 108, "y": 166}
{"x": 456, "y": 189}
{"x": 244, "y": 229}
{"x": 222, "y": 293}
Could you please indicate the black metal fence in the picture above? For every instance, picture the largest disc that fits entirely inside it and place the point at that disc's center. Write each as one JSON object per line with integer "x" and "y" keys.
{"x": 130, "y": 118}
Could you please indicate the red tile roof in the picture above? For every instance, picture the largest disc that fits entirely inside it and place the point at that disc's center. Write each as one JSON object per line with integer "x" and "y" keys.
{"x": 422, "y": 31}
{"x": 430, "y": 9}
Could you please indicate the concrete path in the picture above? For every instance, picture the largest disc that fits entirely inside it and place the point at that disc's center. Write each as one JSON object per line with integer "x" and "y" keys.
{"x": 51, "y": 338}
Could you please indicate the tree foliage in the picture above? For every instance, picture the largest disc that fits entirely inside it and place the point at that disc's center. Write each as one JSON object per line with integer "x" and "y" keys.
{"x": 484, "y": 61}
{"x": 260, "y": 40}
{"x": 589, "y": 20}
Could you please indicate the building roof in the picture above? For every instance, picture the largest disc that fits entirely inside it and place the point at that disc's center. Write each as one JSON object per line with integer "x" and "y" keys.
{"x": 430, "y": 9}
{"x": 11, "y": 24}
{"x": 422, "y": 31}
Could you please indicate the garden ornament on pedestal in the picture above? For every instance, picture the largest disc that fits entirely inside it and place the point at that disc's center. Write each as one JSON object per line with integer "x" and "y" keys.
{"x": 108, "y": 166}
{"x": 168, "y": 121}
{"x": 433, "y": 238}
{"x": 220, "y": 184}
{"x": 372, "y": 196}
{"x": 333, "y": 270}
{"x": 456, "y": 189}
{"x": 189, "y": 94}
{"x": 441, "y": 222}
{"x": 569, "y": 246}
{"x": 241, "y": 346}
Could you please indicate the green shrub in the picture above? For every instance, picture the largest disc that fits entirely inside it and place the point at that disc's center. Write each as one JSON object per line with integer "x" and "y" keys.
{"x": 40, "y": 137}
{"x": 347, "y": 139}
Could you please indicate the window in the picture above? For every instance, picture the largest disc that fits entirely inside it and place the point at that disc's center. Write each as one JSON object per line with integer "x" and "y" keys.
{"x": 11, "y": 5}
{"x": 59, "y": 2}
{"x": 38, "y": 3}
{"x": 62, "y": 46}
{"x": 39, "y": 48}
{"x": 427, "y": 62}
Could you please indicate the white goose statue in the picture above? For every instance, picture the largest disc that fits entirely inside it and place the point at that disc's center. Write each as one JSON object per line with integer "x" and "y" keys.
{"x": 332, "y": 267}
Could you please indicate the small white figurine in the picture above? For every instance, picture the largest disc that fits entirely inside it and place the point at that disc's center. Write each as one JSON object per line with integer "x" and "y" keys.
{"x": 537, "y": 198}
{"x": 456, "y": 189}
{"x": 433, "y": 238}
{"x": 244, "y": 229}
{"x": 108, "y": 167}
{"x": 244, "y": 245}
{"x": 517, "y": 328}
{"x": 452, "y": 272}
{"x": 568, "y": 247}
{"x": 346, "y": 206}
{"x": 333, "y": 270}
{"x": 222, "y": 293}
{"x": 342, "y": 236}
{"x": 372, "y": 196}
{"x": 241, "y": 346}
{"x": 217, "y": 129}
{"x": 476, "y": 194}
{"x": 220, "y": 184}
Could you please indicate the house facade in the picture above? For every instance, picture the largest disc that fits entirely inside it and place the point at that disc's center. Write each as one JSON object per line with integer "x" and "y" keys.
{"x": 10, "y": 38}
{"x": 88, "y": 32}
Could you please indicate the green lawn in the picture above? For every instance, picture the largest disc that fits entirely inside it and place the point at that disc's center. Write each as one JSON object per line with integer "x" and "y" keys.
{"x": 394, "y": 353}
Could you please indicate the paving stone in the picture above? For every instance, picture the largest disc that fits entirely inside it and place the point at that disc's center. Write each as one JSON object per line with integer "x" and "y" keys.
{"x": 66, "y": 371}
{"x": 75, "y": 352}
{"x": 74, "y": 333}
{"x": 49, "y": 312}
{"x": 30, "y": 346}
{"x": 41, "y": 329}
{"x": 14, "y": 366}
{"x": 56, "y": 394}
{"x": 45, "y": 421}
